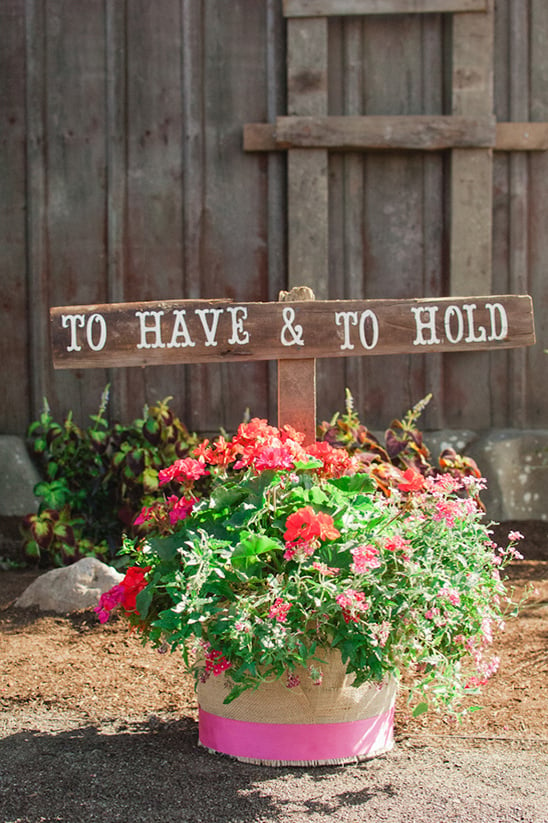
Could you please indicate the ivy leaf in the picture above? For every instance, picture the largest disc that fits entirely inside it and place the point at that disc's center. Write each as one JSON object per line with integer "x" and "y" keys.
{"x": 421, "y": 708}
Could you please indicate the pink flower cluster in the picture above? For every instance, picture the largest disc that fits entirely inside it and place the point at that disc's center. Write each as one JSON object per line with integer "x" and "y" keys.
{"x": 260, "y": 446}
{"x": 182, "y": 471}
{"x": 450, "y": 594}
{"x": 123, "y": 594}
{"x": 279, "y": 610}
{"x": 165, "y": 513}
{"x": 353, "y": 605}
{"x": 215, "y": 662}
{"x": 365, "y": 558}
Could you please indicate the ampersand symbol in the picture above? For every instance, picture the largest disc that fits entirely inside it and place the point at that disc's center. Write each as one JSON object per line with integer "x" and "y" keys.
{"x": 295, "y": 332}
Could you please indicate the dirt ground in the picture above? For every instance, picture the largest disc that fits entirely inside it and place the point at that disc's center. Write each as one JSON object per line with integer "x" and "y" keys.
{"x": 94, "y": 728}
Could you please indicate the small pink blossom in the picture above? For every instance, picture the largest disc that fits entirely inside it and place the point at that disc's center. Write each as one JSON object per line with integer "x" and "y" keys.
{"x": 279, "y": 610}
{"x": 365, "y": 558}
{"x": 293, "y": 680}
{"x": 323, "y": 568}
{"x": 353, "y": 605}
{"x": 399, "y": 544}
{"x": 300, "y": 550}
{"x": 513, "y": 536}
{"x": 186, "y": 469}
{"x": 216, "y": 662}
{"x": 180, "y": 508}
{"x": 450, "y": 594}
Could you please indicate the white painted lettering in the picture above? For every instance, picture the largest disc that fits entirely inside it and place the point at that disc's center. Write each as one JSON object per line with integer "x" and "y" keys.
{"x": 210, "y": 330}
{"x": 453, "y": 312}
{"x": 154, "y": 329}
{"x": 180, "y": 330}
{"x": 295, "y": 332}
{"x": 470, "y": 308}
{"x": 100, "y": 320}
{"x": 71, "y": 321}
{"x": 344, "y": 318}
{"x": 368, "y": 315}
{"x": 239, "y": 335}
{"x": 503, "y": 317}
{"x": 427, "y": 325}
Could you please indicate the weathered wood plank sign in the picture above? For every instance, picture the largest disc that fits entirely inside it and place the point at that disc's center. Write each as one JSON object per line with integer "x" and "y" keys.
{"x": 213, "y": 331}
{"x": 295, "y": 331}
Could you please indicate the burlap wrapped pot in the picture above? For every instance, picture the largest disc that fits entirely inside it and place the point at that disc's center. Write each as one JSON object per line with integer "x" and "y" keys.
{"x": 307, "y": 724}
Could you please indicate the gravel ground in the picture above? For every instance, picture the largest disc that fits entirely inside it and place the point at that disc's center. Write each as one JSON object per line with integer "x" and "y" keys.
{"x": 96, "y": 729}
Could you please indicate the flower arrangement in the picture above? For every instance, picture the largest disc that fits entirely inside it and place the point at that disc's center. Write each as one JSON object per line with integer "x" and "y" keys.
{"x": 265, "y": 552}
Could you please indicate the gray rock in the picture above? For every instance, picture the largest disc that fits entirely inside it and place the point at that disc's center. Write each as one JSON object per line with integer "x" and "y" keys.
{"x": 71, "y": 588}
{"x": 460, "y": 440}
{"x": 18, "y": 477}
{"x": 515, "y": 464}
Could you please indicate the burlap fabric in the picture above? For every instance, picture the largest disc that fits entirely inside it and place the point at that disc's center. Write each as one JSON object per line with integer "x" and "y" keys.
{"x": 335, "y": 700}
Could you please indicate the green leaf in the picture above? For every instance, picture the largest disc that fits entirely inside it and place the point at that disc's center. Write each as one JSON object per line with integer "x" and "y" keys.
{"x": 143, "y": 601}
{"x": 312, "y": 463}
{"x": 55, "y": 494}
{"x": 223, "y": 498}
{"x": 251, "y": 547}
{"x": 166, "y": 547}
{"x": 32, "y": 548}
{"x": 350, "y": 484}
{"x": 421, "y": 708}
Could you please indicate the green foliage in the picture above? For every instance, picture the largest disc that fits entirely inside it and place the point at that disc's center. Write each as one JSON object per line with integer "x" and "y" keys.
{"x": 96, "y": 478}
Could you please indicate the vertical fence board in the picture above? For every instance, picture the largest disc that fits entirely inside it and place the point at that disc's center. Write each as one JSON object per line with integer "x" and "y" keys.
{"x": 154, "y": 253}
{"x": 14, "y": 399}
{"x": 537, "y": 414}
{"x": 116, "y": 179}
{"x": 392, "y": 225}
{"x": 499, "y": 365}
{"x": 75, "y": 175}
{"x": 468, "y": 397}
{"x": 235, "y": 193}
{"x": 307, "y": 171}
{"x": 37, "y": 264}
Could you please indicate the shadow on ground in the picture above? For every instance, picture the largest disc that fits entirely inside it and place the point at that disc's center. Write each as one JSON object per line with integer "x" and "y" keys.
{"x": 155, "y": 771}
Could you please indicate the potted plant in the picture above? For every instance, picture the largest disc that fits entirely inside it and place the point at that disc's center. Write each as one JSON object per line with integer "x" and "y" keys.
{"x": 300, "y": 594}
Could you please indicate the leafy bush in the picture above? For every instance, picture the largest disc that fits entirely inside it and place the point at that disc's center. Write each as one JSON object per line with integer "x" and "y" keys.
{"x": 403, "y": 446}
{"x": 97, "y": 478}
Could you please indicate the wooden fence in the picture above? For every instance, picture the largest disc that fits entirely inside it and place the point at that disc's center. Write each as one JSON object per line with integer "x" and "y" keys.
{"x": 124, "y": 177}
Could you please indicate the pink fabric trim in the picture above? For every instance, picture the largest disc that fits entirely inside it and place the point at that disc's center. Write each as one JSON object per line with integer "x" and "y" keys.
{"x": 297, "y": 741}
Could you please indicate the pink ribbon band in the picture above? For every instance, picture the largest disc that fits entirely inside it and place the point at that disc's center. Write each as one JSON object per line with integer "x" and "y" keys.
{"x": 297, "y": 741}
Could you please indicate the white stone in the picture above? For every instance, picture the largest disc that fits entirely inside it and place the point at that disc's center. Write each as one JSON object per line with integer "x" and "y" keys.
{"x": 71, "y": 588}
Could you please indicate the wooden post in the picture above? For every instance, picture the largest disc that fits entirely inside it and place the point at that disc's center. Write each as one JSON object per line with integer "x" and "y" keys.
{"x": 297, "y": 383}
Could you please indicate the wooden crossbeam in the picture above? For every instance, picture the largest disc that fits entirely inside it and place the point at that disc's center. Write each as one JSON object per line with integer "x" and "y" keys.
{"x": 351, "y": 133}
{"x": 413, "y": 132}
{"x": 339, "y": 8}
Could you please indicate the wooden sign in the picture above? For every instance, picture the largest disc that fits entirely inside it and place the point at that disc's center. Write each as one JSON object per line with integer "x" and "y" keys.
{"x": 213, "y": 331}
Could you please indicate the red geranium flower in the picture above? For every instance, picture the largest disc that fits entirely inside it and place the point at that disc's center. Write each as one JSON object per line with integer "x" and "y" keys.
{"x": 412, "y": 481}
{"x": 306, "y": 525}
